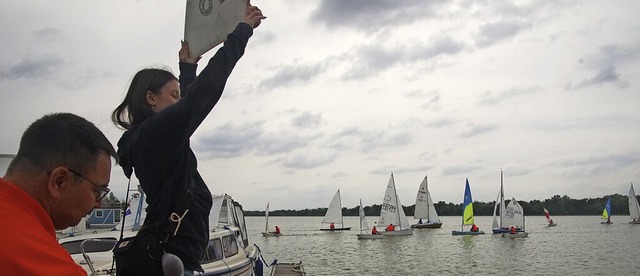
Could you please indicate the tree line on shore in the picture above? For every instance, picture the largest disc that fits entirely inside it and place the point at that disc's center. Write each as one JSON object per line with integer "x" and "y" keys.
{"x": 557, "y": 206}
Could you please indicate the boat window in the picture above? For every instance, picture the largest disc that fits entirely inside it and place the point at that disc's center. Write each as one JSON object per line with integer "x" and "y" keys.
{"x": 230, "y": 246}
{"x": 213, "y": 252}
{"x": 102, "y": 245}
{"x": 98, "y": 213}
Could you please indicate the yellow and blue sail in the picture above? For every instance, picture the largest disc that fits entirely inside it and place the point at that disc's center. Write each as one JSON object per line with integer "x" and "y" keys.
{"x": 607, "y": 209}
{"x": 467, "y": 206}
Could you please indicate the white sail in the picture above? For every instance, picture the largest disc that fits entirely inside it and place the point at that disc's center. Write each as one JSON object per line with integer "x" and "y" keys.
{"x": 498, "y": 218}
{"x": 634, "y": 208}
{"x": 433, "y": 215}
{"x": 514, "y": 215}
{"x": 496, "y": 224}
{"x": 266, "y": 218}
{"x": 364, "y": 227}
{"x": 424, "y": 208}
{"x": 389, "y": 210}
{"x": 422, "y": 201}
{"x": 402, "y": 219}
{"x": 334, "y": 212}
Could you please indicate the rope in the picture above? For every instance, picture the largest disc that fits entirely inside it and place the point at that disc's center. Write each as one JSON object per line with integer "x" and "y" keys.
{"x": 176, "y": 218}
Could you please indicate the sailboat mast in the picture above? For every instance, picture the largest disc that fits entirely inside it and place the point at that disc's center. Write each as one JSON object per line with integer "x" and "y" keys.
{"x": 266, "y": 215}
{"x": 341, "y": 217}
{"x": 397, "y": 201}
{"x": 501, "y": 198}
{"x": 428, "y": 203}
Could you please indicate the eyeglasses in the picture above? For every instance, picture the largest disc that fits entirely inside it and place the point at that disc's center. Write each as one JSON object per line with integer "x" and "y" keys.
{"x": 100, "y": 193}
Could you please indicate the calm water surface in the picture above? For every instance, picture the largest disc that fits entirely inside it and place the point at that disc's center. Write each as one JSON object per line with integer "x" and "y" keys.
{"x": 577, "y": 246}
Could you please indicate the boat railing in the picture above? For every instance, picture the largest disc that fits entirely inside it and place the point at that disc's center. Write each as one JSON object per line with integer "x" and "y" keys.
{"x": 86, "y": 256}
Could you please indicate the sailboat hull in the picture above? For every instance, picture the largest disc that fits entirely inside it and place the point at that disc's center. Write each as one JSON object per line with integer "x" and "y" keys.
{"x": 552, "y": 224}
{"x": 635, "y": 222}
{"x": 270, "y": 234}
{"x": 516, "y": 235}
{"x": 427, "y": 225}
{"x": 403, "y": 232}
{"x": 335, "y": 229}
{"x": 506, "y": 230}
{"x": 457, "y": 233}
{"x": 369, "y": 236}
{"x": 606, "y": 222}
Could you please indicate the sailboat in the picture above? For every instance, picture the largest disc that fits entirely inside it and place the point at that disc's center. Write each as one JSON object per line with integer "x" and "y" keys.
{"x": 498, "y": 225}
{"x": 634, "y": 208}
{"x": 424, "y": 208}
{"x": 266, "y": 232}
{"x": 549, "y": 220}
{"x": 467, "y": 214}
{"x": 606, "y": 213}
{"x": 514, "y": 216}
{"x": 391, "y": 212}
{"x": 364, "y": 227}
{"x": 334, "y": 215}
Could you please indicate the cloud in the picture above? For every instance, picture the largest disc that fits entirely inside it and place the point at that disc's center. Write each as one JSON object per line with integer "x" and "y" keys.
{"x": 460, "y": 169}
{"x": 431, "y": 99}
{"x": 605, "y": 63}
{"x": 293, "y": 74}
{"x": 371, "y": 60}
{"x": 230, "y": 140}
{"x": 32, "y": 68}
{"x": 307, "y": 120}
{"x": 48, "y": 34}
{"x": 475, "y": 130}
{"x": 372, "y": 15}
{"x": 304, "y": 161}
{"x": 492, "y": 33}
{"x": 490, "y": 98}
{"x": 596, "y": 164}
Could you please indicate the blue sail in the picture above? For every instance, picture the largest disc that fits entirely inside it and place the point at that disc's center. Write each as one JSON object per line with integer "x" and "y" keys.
{"x": 467, "y": 206}
{"x": 606, "y": 214}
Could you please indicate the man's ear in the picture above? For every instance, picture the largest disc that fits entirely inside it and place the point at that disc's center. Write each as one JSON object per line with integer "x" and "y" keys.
{"x": 57, "y": 181}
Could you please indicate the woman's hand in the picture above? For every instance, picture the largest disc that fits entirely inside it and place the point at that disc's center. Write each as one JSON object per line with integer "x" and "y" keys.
{"x": 184, "y": 55}
{"x": 253, "y": 15}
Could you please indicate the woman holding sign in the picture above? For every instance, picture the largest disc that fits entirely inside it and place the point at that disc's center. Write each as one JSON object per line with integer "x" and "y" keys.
{"x": 159, "y": 114}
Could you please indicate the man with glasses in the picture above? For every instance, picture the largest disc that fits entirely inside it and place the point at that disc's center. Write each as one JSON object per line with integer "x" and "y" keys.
{"x": 60, "y": 173}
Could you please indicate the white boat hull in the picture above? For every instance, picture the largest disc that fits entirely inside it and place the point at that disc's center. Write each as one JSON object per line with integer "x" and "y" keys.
{"x": 369, "y": 236}
{"x": 403, "y": 232}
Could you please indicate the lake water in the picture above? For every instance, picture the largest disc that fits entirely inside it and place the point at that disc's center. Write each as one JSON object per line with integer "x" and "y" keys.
{"x": 579, "y": 245}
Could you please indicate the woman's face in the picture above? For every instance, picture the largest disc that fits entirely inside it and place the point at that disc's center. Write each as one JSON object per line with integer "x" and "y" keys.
{"x": 168, "y": 95}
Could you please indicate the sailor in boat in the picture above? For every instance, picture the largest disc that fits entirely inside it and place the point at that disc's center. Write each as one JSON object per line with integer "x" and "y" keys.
{"x": 332, "y": 226}
{"x": 513, "y": 230}
{"x": 608, "y": 220}
{"x": 550, "y": 221}
{"x": 475, "y": 228}
{"x": 374, "y": 231}
{"x": 277, "y": 232}
{"x": 420, "y": 221}
{"x": 390, "y": 228}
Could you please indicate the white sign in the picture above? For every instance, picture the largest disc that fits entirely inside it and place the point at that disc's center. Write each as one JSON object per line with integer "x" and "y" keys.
{"x": 208, "y": 22}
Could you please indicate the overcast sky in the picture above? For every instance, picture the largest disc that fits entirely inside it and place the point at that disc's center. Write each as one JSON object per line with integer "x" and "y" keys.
{"x": 338, "y": 94}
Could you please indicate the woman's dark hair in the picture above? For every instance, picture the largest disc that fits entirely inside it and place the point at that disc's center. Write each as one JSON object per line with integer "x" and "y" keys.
{"x": 135, "y": 109}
